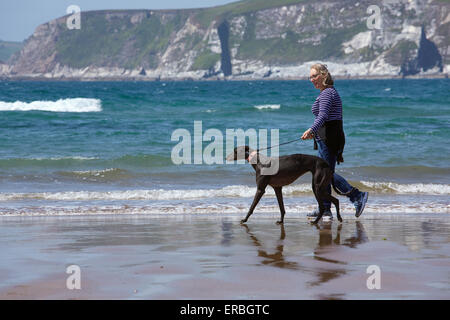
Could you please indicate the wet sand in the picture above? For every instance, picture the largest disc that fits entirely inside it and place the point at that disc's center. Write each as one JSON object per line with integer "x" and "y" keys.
{"x": 214, "y": 257}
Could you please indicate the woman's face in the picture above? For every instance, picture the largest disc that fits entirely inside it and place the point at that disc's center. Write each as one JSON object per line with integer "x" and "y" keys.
{"x": 316, "y": 78}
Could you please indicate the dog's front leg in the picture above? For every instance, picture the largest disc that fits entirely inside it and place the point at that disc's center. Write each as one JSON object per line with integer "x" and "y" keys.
{"x": 258, "y": 195}
{"x": 279, "y": 195}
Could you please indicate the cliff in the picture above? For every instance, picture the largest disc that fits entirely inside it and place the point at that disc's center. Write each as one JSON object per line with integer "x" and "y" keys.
{"x": 247, "y": 39}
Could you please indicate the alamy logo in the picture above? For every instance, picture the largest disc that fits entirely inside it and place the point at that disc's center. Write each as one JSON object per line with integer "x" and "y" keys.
{"x": 74, "y": 280}
{"x": 374, "y": 280}
{"x": 73, "y": 22}
{"x": 213, "y": 152}
{"x": 374, "y": 21}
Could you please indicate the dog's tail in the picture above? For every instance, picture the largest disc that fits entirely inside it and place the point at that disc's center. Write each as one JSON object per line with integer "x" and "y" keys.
{"x": 340, "y": 192}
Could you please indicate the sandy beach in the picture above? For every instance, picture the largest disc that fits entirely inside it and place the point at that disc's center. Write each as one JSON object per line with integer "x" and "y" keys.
{"x": 214, "y": 257}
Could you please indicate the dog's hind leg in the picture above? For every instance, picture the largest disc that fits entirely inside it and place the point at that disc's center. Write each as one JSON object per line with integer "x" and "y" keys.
{"x": 326, "y": 196}
{"x": 258, "y": 195}
{"x": 336, "y": 204}
{"x": 321, "y": 210}
{"x": 320, "y": 203}
{"x": 315, "y": 189}
{"x": 279, "y": 195}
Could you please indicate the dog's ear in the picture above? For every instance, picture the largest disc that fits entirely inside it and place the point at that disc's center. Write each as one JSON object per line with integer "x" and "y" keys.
{"x": 241, "y": 152}
{"x": 248, "y": 151}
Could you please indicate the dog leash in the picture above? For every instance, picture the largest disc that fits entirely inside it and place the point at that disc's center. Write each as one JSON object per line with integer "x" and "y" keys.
{"x": 281, "y": 144}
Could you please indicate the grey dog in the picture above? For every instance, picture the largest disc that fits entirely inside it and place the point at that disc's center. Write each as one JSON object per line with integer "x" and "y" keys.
{"x": 290, "y": 168}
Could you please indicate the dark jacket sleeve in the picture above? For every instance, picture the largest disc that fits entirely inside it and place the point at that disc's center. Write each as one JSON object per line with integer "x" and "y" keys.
{"x": 335, "y": 138}
{"x": 332, "y": 133}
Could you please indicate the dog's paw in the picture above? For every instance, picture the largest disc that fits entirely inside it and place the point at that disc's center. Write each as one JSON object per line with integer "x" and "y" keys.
{"x": 340, "y": 219}
{"x": 279, "y": 222}
{"x": 243, "y": 221}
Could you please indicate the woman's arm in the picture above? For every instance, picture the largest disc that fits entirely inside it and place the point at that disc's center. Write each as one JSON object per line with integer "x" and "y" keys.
{"x": 324, "y": 110}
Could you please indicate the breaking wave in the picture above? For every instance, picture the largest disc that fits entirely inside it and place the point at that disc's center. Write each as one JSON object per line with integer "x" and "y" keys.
{"x": 268, "y": 106}
{"x": 411, "y": 188}
{"x": 383, "y": 210}
{"x": 61, "y": 105}
{"x": 235, "y": 191}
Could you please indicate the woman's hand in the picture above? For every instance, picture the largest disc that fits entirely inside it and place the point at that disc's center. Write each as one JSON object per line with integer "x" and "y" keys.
{"x": 308, "y": 134}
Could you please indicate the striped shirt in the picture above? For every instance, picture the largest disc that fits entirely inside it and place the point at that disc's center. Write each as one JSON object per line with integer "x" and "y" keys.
{"x": 327, "y": 107}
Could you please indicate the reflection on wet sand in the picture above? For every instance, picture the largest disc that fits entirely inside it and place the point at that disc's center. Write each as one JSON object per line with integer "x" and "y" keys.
{"x": 197, "y": 257}
{"x": 323, "y": 272}
{"x": 275, "y": 259}
{"x": 325, "y": 245}
{"x": 326, "y": 239}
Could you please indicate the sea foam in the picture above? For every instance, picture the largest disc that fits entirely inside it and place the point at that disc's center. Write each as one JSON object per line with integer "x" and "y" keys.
{"x": 412, "y": 188}
{"x": 61, "y": 105}
{"x": 233, "y": 191}
{"x": 268, "y": 106}
{"x": 384, "y": 210}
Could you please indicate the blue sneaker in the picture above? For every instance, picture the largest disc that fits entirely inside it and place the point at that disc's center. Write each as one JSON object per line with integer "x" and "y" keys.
{"x": 360, "y": 203}
{"x": 326, "y": 214}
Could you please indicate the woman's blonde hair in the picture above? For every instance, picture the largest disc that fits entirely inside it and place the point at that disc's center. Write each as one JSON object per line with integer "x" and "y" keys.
{"x": 323, "y": 70}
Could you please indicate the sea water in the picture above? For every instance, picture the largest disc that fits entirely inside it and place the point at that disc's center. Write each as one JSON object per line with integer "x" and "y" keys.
{"x": 69, "y": 148}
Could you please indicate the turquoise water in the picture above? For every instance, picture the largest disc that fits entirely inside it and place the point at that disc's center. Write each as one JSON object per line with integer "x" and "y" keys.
{"x": 119, "y": 145}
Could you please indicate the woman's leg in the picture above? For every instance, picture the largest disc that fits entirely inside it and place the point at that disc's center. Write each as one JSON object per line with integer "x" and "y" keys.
{"x": 339, "y": 182}
{"x": 344, "y": 187}
{"x": 331, "y": 160}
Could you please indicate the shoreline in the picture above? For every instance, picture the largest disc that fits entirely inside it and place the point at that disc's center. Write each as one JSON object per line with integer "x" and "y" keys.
{"x": 212, "y": 79}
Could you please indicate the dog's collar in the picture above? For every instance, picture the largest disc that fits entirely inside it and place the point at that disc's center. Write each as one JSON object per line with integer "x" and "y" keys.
{"x": 251, "y": 155}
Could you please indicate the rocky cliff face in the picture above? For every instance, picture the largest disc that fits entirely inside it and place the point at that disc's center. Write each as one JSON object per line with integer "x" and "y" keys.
{"x": 246, "y": 39}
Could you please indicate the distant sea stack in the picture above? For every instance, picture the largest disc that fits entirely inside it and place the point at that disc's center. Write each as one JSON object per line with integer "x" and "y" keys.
{"x": 428, "y": 58}
{"x": 253, "y": 39}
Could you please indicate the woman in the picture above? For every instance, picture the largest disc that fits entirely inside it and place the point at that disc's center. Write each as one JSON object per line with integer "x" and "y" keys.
{"x": 328, "y": 134}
